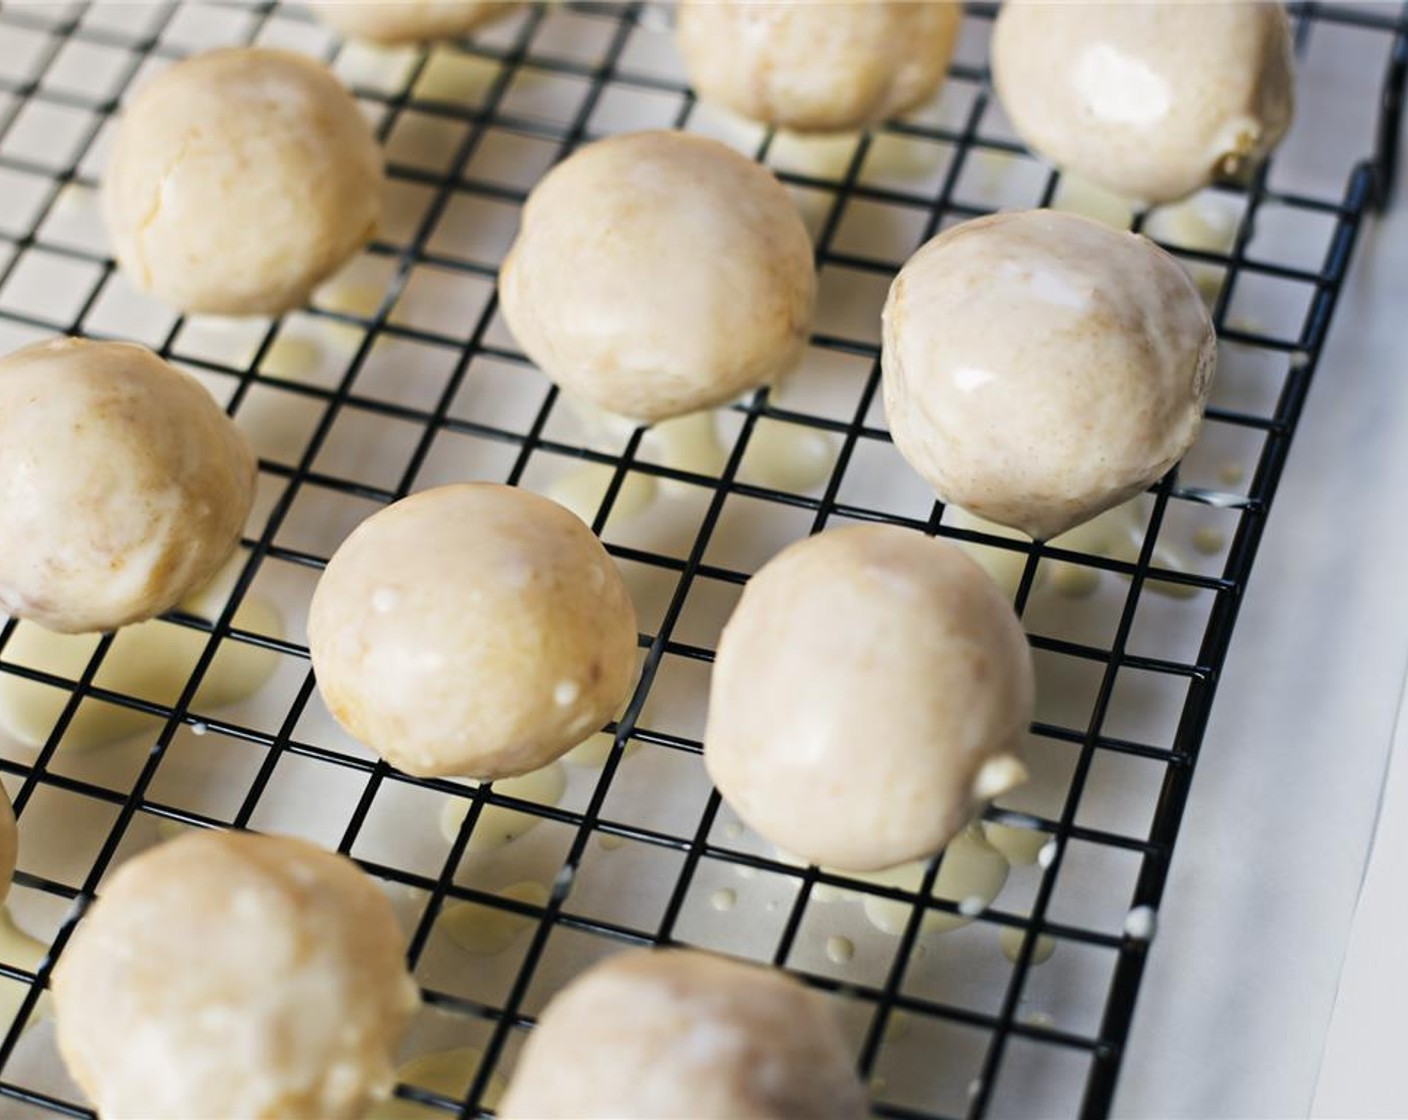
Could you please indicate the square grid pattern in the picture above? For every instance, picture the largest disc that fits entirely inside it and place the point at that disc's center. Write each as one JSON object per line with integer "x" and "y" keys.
{"x": 402, "y": 375}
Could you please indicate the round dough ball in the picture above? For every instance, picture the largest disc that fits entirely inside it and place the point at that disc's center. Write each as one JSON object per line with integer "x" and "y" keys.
{"x": 817, "y": 66}
{"x": 476, "y": 630}
{"x": 660, "y": 273}
{"x": 1041, "y": 368}
{"x": 239, "y": 180}
{"x": 123, "y": 486}
{"x": 9, "y": 843}
{"x": 408, "y": 21}
{"x": 869, "y": 694}
{"x": 678, "y": 1035}
{"x": 227, "y": 974}
{"x": 1149, "y": 100}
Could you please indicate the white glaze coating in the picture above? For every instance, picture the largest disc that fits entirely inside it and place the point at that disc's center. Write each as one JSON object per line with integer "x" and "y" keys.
{"x": 816, "y": 66}
{"x": 447, "y": 1072}
{"x": 227, "y": 974}
{"x": 501, "y": 597}
{"x": 971, "y": 876}
{"x": 9, "y": 843}
{"x": 150, "y": 661}
{"x": 408, "y": 21}
{"x": 497, "y": 825}
{"x": 1041, "y": 368}
{"x": 123, "y": 486}
{"x": 1011, "y": 938}
{"x": 1150, "y": 100}
{"x": 584, "y": 489}
{"x": 659, "y": 273}
{"x": 1019, "y": 846}
{"x": 484, "y": 931}
{"x": 19, "y": 949}
{"x": 869, "y": 692}
{"x": 678, "y": 1035}
{"x": 239, "y": 180}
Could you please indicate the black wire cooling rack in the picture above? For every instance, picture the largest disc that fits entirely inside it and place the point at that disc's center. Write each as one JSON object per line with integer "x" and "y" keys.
{"x": 52, "y": 128}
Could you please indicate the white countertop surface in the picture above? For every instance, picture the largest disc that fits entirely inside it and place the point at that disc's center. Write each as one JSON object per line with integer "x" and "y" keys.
{"x": 1238, "y": 998}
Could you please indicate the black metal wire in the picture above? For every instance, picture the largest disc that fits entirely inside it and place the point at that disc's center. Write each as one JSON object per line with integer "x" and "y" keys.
{"x": 1367, "y": 187}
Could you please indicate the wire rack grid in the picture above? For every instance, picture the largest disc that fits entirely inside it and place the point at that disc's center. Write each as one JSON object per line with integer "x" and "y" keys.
{"x": 418, "y": 376}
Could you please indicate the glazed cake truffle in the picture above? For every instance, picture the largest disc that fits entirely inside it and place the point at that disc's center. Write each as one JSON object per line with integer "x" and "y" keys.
{"x": 1153, "y": 100}
{"x": 239, "y": 180}
{"x": 679, "y": 1034}
{"x": 1040, "y": 368}
{"x": 659, "y": 273}
{"x": 123, "y": 486}
{"x": 476, "y": 630}
{"x": 228, "y": 974}
{"x": 817, "y": 67}
{"x": 870, "y": 693}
